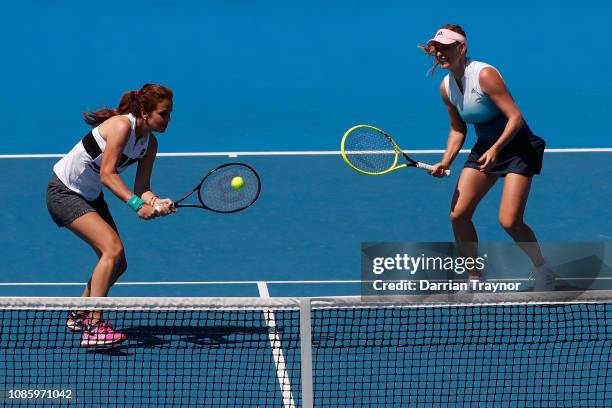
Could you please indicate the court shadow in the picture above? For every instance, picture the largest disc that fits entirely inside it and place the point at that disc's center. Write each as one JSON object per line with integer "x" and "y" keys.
{"x": 583, "y": 274}
{"x": 210, "y": 337}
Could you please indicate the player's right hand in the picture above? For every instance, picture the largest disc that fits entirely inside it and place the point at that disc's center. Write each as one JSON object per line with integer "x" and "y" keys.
{"x": 439, "y": 169}
{"x": 146, "y": 212}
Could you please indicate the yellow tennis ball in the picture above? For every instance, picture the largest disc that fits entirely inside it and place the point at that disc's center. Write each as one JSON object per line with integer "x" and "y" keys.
{"x": 237, "y": 183}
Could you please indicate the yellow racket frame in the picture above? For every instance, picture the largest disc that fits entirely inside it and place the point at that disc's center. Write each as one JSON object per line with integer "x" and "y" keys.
{"x": 393, "y": 167}
{"x": 397, "y": 151}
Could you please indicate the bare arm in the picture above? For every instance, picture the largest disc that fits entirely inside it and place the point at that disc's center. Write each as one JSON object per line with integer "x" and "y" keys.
{"x": 142, "y": 183}
{"x": 458, "y": 130}
{"x": 493, "y": 85}
{"x": 117, "y": 132}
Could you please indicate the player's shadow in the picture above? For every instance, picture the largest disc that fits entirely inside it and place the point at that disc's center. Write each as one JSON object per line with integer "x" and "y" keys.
{"x": 177, "y": 337}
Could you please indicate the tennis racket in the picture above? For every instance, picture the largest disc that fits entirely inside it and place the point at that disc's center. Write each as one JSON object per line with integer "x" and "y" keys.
{"x": 215, "y": 191}
{"x": 371, "y": 151}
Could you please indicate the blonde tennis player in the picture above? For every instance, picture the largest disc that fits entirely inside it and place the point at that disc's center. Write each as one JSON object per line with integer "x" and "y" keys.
{"x": 475, "y": 93}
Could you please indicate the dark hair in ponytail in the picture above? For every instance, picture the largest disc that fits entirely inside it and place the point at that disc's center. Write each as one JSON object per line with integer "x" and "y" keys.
{"x": 134, "y": 102}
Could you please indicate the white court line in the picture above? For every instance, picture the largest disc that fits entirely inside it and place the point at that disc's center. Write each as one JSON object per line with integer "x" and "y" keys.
{"x": 298, "y": 153}
{"x": 277, "y": 350}
{"x": 281, "y": 282}
{"x": 177, "y": 283}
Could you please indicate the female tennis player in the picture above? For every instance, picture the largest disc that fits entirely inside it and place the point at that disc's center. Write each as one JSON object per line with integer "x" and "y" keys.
{"x": 120, "y": 137}
{"x": 475, "y": 93}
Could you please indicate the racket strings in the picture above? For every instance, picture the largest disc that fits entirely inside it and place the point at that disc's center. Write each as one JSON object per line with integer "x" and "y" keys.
{"x": 369, "y": 151}
{"x": 218, "y": 194}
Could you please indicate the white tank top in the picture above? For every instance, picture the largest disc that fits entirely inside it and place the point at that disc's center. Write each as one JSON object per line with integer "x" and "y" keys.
{"x": 79, "y": 170}
{"x": 473, "y": 104}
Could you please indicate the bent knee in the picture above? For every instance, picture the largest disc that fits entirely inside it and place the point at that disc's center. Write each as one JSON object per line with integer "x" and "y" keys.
{"x": 459, "y": 217}
{"x": 121, "y": 266}
{"x": 510, "y": 223}
{"x": 114, "y": 250}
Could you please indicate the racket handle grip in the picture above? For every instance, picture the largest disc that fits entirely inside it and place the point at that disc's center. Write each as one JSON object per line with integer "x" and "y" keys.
{"x": 429, "y": 167}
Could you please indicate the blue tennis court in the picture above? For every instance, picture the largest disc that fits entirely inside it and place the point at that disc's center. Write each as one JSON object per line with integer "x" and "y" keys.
{"x": 311, "y": 248}
{"x": 275, "y": 85}
{"x": 308, "y": 225}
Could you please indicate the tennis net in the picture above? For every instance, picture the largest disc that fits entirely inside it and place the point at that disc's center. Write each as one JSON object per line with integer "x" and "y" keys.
{"x": 508, "y": 350}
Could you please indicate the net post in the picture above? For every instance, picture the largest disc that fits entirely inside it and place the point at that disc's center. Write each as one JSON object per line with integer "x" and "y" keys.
{"x": 306, "y": 352}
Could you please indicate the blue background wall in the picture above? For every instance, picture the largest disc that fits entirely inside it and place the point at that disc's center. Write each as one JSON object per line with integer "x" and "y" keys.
{"x": 278, "y": 75}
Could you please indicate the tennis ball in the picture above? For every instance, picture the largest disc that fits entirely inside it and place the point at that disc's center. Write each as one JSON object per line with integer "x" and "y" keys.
{"x": 237, "y": 183}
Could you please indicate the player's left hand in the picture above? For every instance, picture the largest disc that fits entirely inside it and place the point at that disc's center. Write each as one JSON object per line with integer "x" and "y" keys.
{"x": 488, "y": 160}
{"x": 164, "y": 206}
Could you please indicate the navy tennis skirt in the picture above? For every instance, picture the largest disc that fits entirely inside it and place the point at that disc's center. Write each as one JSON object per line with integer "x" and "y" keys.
{"x": 522, "y": 155}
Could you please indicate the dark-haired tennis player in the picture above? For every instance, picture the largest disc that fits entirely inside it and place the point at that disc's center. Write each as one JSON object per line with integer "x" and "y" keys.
{"x": 120, "y": 137}
{"x": 475, "y": 93}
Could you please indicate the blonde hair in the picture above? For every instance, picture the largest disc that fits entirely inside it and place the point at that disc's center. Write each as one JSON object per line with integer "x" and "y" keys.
{"x": 431, "y": 51}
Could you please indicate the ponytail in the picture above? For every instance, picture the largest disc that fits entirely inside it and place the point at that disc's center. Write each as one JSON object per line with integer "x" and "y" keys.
{"x": 134, "y": 102}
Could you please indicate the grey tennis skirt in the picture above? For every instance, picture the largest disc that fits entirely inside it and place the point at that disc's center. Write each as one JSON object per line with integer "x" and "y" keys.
{"x": 65, "y": 205}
